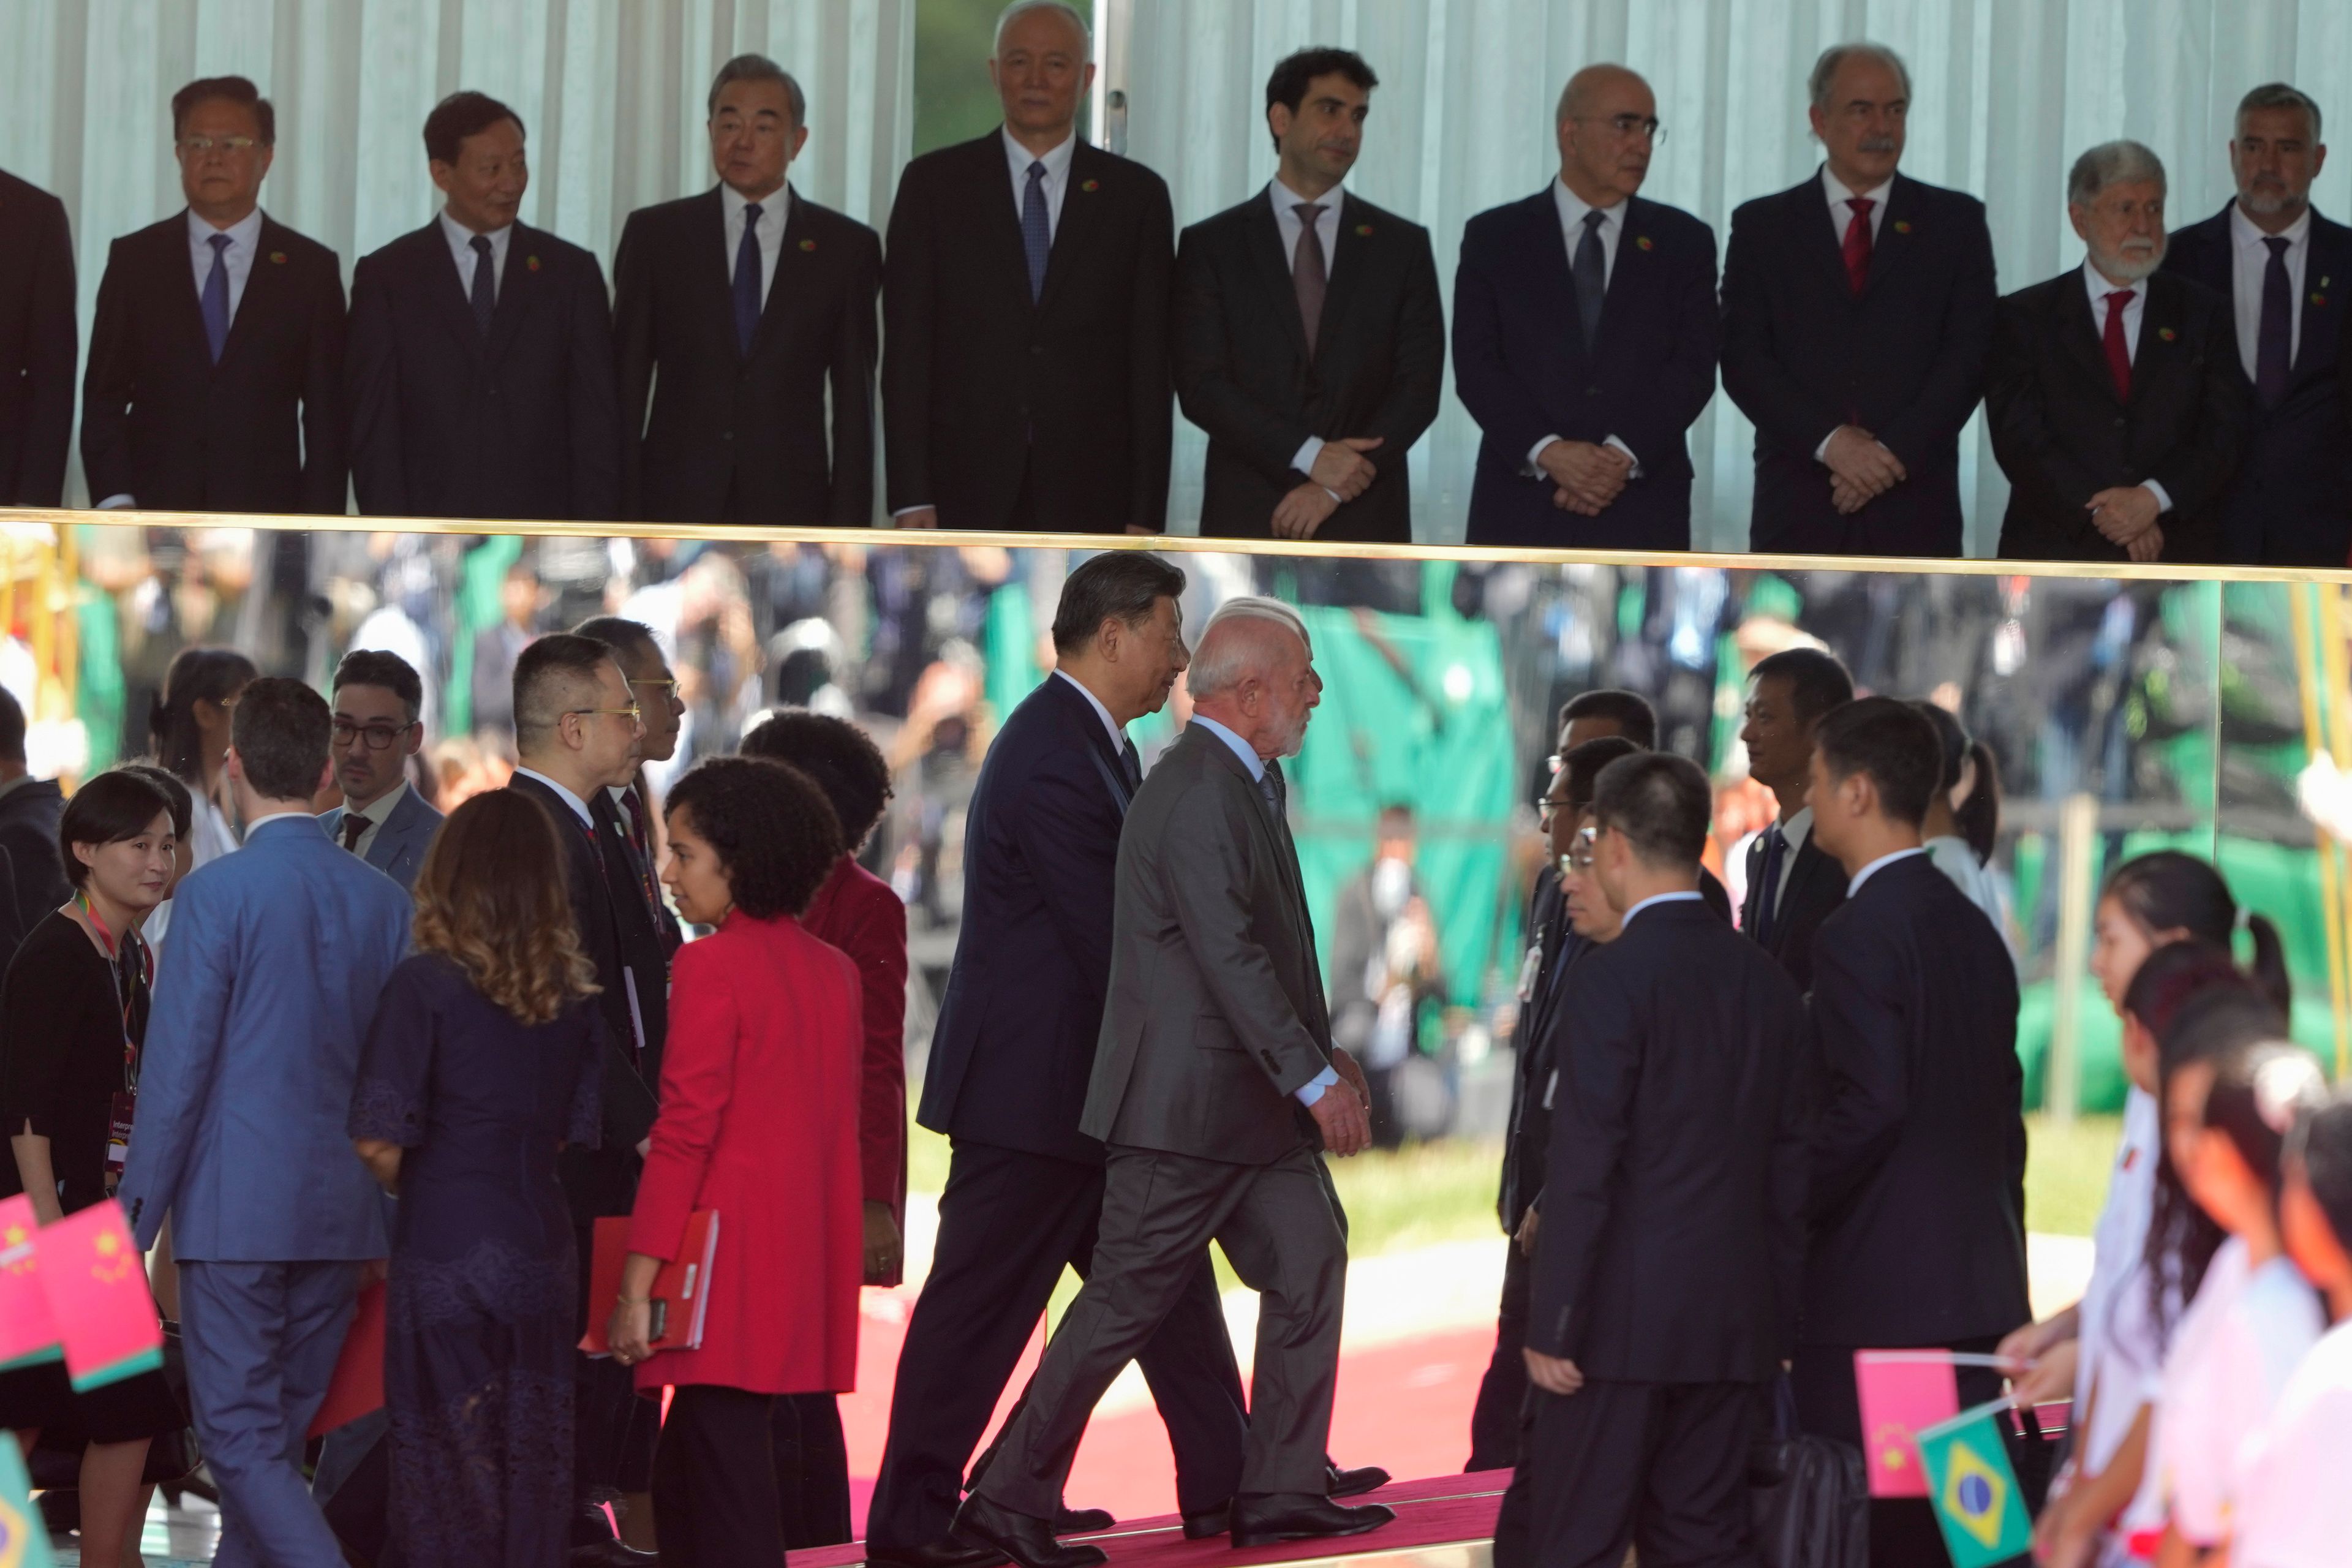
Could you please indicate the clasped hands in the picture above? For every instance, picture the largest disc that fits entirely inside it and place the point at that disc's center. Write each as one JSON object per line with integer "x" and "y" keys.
{"x": 1586, "y": 476}
{"x": 2127, "y": 515}
{"x": 1861, "y": 468}
{"x": 1341, "y": 473}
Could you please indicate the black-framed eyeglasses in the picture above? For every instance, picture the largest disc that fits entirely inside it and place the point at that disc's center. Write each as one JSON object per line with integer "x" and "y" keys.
{"x": 203, "y": 145}
{"x": 376, "y": 737}
{"x": 1627, "y": 126}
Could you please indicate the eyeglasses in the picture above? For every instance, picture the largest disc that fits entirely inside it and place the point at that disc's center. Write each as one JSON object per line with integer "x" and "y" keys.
{"x": 378, "y": 737}
{"x": 669, "y": 685}
{"x": 200, "y": 145}
{"x": 633, "y": 714}
{"x": 1628, "y": 126}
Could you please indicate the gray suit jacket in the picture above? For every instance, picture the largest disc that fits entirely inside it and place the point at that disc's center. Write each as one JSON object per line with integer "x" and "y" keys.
{"x": 399, "y": 845}
{"x": 1215, "y": 1014}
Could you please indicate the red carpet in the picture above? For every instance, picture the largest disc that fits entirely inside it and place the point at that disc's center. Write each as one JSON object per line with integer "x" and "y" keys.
{"x": 1434, "y": 1511}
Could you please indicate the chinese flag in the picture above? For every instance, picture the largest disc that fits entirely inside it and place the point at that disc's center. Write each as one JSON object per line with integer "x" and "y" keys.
{"x": 28, "y": 1335}
{"x": 96, "y": 1281}
{"x": 1903, "y": 1392}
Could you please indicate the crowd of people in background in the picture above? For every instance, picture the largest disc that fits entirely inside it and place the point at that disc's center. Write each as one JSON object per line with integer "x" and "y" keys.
{"x": 759, "y": 357}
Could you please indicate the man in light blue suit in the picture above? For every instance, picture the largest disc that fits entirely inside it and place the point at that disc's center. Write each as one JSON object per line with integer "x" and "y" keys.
{"x": 382, "y": 820}
{"x": 277, "y": 955}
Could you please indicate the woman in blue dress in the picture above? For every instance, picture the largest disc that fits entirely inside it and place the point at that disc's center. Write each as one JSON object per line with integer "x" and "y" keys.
{"x": 482, "y": 1062}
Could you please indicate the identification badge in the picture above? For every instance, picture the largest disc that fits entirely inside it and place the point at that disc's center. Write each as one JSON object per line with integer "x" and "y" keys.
{"x": 118, "y": 1135}
{"x": 1527, "y": 970}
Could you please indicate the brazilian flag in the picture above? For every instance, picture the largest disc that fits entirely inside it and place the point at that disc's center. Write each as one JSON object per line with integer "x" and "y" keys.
{"x": 24, "y": 1539}
{"x": 1974, "y": 1491}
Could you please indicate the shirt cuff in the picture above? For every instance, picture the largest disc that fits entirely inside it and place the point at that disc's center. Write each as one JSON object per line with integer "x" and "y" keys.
{"x": 1822, "y": 452}
{"x": 1634, "y": 472}
{"x": 1312, "y": 1089}
{"x": 2163, "y": 497}
{"x": 903, "y": 510}
{"x": 116, "y": 503}
{"x": 1535, "y": 453}
{"x": 1304, "y": 459}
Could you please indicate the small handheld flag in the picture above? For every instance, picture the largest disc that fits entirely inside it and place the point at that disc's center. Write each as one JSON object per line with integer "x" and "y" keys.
{"x": 1973, "y": 1490}
{"x": 1902, "y": 1391}
{"x": 27, "y": 1333}
{"x": 24, "y": 1538}
{"x": 96, "y": 1281}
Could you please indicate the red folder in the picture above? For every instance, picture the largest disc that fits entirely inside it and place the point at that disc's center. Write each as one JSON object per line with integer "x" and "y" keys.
{"x": 96, "y": 1281}
{"x": 683, "y": 1284}
{"x": 357, "y": 1387}
{"x": 27, "y": 1333}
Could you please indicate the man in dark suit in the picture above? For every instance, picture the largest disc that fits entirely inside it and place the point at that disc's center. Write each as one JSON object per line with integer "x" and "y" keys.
{"x": 1666, "y": 1273}
{"x": 1584, "y": 332}
{"x": 2275, "y": 260}
{"x": 1793, "y": 885}
{"x": 38, "y": 341}
{"x": 661, "y": 715}
{"x": 378, "y": 698}
{"x": 2114, "y": 396}
{"x": 29, "y": 812}
{"x": 481, "y": 355}
{"x": 1309, "y": 334}
{"x": 576, "y": 733}
{"x": 1010, "y": 1055}
{"x": 735, "y": 311}
{"x": 1215, "y": 1082}
{"x": 1024, "y": 376}
{"x": 216, "y": 354}
{"x": 1916, "y": 1201}
{"x": 1855, "y": 312}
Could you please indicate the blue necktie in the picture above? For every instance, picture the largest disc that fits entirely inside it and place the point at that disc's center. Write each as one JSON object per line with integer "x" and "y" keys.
{"x": 2275, "y": 347}
{"x": 1036, "y": 230}
{"x": 747, "y": 280}
{"x": 216, "y": 301}
{"x": 1768, "y": 885}
{"x": 486, "y": 284}
{"x": 1590, "y": 270}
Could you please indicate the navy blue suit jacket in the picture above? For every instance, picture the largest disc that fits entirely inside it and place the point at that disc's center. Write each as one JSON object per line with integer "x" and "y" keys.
{"x": 1802, "y": 354}
{"x": 1014, "y": 1045}
{"x": 1524, "y": 371}
{"x": 2290, "y": 503}
{"x": 398, "y": 848}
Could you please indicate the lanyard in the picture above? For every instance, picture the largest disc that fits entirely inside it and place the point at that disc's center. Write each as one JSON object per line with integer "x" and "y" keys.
{"x": 124, "y": 1000}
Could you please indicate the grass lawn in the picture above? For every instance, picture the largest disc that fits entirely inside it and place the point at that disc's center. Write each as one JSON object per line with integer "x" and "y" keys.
{"x": 2067, "y": 1172}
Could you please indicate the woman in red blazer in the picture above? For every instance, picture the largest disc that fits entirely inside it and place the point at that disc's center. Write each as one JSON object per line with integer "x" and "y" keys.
{"x": 855, "y": 911}
{"x": 759, "y": 1096}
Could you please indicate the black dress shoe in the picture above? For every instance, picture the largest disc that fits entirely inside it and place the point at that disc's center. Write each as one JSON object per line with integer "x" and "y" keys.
{"x": 1209, "y": 1521}
{"x": 947, "y": 1552}
{"x": 1026, "y": 1539}
{"x": 1266, "y": 1518}
{"x": 1357, "y": 1482}
{"x": 1068, "y": 1521}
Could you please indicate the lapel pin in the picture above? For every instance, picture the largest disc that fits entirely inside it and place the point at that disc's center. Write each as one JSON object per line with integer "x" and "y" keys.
{"x": 2320, "y": 298}
{"x": 1642, "y": 242}
{"x": 277, "y": 258}
{"x": 1903, "y": 226}
{"x": 1090, "y": 186}
{"x": 808, "y": 244}
{"x": 1363, "y": 231}
{"x": 2167, "y": 333}
{"x": 532, "y": 262}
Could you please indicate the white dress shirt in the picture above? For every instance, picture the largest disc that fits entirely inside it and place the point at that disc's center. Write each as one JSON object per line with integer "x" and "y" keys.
{"x": 1682, "y": 898}
{"x": 1867, "y": 872}
{"x": 1057, "y": 177}
{"x": 1796, "y": 830}
{"x": 1841, "y": 218}
{"x": 1572, "y": 208}
{"x": 2250, "y": 258}
{"x": 377, "y": 812}
{"x": 775, "y": 208}
{"x": 579, "y": 806}
{"x": 1118, "y": 735}
{"x": 1292, "y": 227}
{"x": 461, "y": 246}
{"x": 2134, "y": 308}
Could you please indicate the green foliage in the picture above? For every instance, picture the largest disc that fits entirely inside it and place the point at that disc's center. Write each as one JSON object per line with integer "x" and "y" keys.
{"x": 954, "y": 99}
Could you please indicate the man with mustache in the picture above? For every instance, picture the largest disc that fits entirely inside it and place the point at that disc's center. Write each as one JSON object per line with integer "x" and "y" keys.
{"x": 1309, "y": 336}
{"x": 2276, "y": 260}
{"x": 1854, "y": 337}
{"x": 2114, "y": 394}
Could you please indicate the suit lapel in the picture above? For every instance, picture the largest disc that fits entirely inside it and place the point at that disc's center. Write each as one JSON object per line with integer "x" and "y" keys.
{"x": 448, "y": 289}
{"x": 520, "y": 288}
{"x": 1082, "y": 219}
{"x": 1265, "y": 246}
{"x": 2159, "y": 349}
{"x": 1895, "y": 238}
{"x": 265, "y": 280}
{"x": 2322, "y": 322}
{"x": 785, "y": 289}
{"x": 186, "y": 302}
{"x": 1819, "y": 232}
{"x": 1553, "y": 277}
{"x": 2080, "y": 333}
{"x": 1000, "y": 214}
{"x": 1354, "y": 253}
{"x": 713, "y": 293}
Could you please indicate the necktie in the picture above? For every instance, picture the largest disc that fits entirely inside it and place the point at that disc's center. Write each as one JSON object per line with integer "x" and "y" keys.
{"x": 747, "y": 283}
{"x": 486, "y": 284}
{"x": 1857, "y": 242}
{"x": 642, "y": 861}
{"x": 355, "y": 827}
{"x": 2274, "y": 350}
{"x": 2111, "y": 339}
{"x": 1130, "y": 764}
{"x": 216, "y": 301}
{"x": 1768, "y": 882}
{"x": 1036, "y": 230}
{"x": 1310, "y": 273}
{"x": 1590, "y": 270}
{"x": 1265, "y": 786}
{"x": 636, "y": 810}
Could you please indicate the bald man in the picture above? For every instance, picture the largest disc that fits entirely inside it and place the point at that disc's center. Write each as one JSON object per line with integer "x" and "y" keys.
{"x": 1584, "y": 332}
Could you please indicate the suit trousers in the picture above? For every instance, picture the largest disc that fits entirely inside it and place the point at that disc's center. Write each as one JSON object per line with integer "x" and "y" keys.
{"x": 261, "y": 1341}
{"x": 613, "y": 1430}
{"x": 1009, "y": 1221}
{"x": 1503, "y": 1392}
{"x": 715, "y": 1479}
{"x": 1277, "y": 1227}
{"x": 812, "y": 1469}
{"x": 1661, "y": 1466}
{"x": 1903, "y": 1530}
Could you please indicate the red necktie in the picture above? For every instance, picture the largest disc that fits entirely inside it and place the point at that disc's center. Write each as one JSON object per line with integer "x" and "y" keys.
{"x": 1857, "y": 242}
{"x": 2111, "y": 339}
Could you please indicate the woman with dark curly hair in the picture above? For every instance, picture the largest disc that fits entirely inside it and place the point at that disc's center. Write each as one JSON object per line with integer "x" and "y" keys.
{"x": 481, "y": 1064}
{"x": 855, "y": 911}
{"x": 759, "y": 1123}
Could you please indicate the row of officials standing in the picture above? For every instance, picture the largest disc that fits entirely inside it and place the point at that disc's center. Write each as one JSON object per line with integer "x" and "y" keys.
{"x": 2173, "y": 398}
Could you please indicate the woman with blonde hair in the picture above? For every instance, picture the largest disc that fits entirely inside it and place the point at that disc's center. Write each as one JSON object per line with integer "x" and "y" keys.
{"x": 481, "y": 1064}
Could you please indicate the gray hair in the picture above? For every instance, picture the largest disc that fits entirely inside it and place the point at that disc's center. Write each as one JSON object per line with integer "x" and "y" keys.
{"x": 1240, "y": 641}
{"x": 2279, "y": 95}
{"x": 1022, "y": 7}
{"x": 758, "y": 67}
{"x": 2111, "y": 163}
{"x": 1825, "y": 69}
